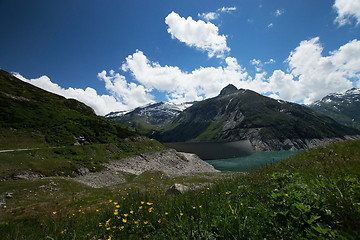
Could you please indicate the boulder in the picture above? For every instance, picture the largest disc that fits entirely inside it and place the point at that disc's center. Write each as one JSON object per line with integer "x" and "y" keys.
{"x": 176, "y": 189}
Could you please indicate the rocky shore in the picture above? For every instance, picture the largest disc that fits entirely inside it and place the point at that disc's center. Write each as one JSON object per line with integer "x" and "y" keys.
{"x": 169, "y": 162}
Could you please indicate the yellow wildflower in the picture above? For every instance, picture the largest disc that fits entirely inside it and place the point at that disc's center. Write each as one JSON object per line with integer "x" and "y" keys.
{"x": 181, "y": 214}
{"x": 142, "y": 202}
{"x": 54, "y": 213}
{"x": 166, "y": 213}
{"x": 150, "y": 209}
{"x": 110, "y": 200}
{"x": 124, "y": 220}
{"x": 117, "y": 206}
{"x": 146, "y": 222}
{"x": 131, "y": 212}
{"x": 140, "y": 207}
{"x": 149, "y": 203}
{"x": 125, "y": 215}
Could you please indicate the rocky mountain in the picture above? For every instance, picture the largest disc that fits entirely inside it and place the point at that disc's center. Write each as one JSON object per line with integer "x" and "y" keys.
{"x": 32, "y": 117}
{"x": 343, "y": 107}
{"x": 151, "y": 117}
{"x": 267, "y": 123}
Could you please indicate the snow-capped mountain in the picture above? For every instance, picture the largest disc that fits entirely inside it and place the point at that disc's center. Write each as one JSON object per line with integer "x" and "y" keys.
{"x": 149, "y": 116}
{"x": 344, "y": 107}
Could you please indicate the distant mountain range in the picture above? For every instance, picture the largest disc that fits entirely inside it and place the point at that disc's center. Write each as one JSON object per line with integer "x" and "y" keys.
{"x": 343, "y": 107}
{"x": 150, "y": 117}
{"x": 237, "y": 114}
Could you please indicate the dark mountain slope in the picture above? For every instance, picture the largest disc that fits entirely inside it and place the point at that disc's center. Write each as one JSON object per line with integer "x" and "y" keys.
{"x": 243, "y": 114}
{"x": 30, "y": 116}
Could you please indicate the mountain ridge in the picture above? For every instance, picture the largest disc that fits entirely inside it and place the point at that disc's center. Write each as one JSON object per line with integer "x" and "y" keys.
{"x": 344, "y": 107}
{"x": 242, "y": 114}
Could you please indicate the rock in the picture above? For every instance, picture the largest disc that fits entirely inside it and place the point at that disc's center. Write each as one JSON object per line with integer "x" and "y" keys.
{"x": 176, "y": 189}
{"x": 9, "y": 195}
{"x": 27, "y": 175}
{"x": 82, "y": 171}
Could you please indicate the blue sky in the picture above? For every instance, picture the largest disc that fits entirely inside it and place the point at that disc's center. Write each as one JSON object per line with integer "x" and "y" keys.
{"x": 117, "y": 55}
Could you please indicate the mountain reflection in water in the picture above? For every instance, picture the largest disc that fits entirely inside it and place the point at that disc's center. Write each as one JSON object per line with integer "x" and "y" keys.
{"x": 210, "y": 151}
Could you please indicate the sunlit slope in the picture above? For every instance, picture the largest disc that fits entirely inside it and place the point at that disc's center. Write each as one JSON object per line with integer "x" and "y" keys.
{"x": 30, "y": 117}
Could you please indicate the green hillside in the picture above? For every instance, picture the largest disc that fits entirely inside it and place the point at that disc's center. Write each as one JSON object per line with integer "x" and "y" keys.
{"x": 32, "y": 117}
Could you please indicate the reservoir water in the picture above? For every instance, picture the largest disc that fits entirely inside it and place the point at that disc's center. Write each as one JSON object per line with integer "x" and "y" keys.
{"x": 232, "y": 156}
{"x": 250, "y": 162}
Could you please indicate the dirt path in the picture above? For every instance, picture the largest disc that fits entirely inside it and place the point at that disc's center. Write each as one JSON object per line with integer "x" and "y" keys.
{"x": 28, "y": 149}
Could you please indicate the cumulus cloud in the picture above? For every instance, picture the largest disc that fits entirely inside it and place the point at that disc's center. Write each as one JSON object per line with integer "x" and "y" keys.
{"x": 198, "y": 34}
{"x": 181, "y": 86}
{"x": 129, "y": 94}
{"x": 346, "y": 10}
{"x": 102, "y": 104}
{"x": 313, "y": 75}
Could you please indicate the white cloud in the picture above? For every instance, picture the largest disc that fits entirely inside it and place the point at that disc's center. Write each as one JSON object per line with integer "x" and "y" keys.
{"x": 204, "y": 36}
{"x": 227, "y": 9}
{"x": 259, "y": 64}
{"x": 180, "y": 86}
{"x": 129, "y": 94}
{"x": 215, "y": 15}
{"x": 209, "y": 16}
{"x": 279, "y": 12}
{"x": 313, "y": 76}
{"x": 270, "y": 25}
{"x": 270, "y": 61}
{"x": 347, "y": 9}
{"x": 102, "y": 104}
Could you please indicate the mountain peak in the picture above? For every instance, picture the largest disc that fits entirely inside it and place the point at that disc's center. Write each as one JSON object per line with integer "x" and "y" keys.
{"x": 229, "y": 89}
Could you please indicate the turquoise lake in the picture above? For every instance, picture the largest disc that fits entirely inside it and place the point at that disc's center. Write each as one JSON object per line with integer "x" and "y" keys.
{"x": 250, "y": 162}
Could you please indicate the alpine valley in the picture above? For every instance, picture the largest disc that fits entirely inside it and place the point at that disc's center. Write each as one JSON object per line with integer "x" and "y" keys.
{"x": 238, "y": 114}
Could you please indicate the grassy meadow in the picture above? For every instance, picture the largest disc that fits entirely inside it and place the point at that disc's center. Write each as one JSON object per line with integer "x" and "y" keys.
{"x": 312, "y": 195}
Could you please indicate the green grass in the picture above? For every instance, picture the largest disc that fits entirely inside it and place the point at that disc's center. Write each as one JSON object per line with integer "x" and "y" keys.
{"x": 63, "y": 161}
{"x": 312, "y": 195}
